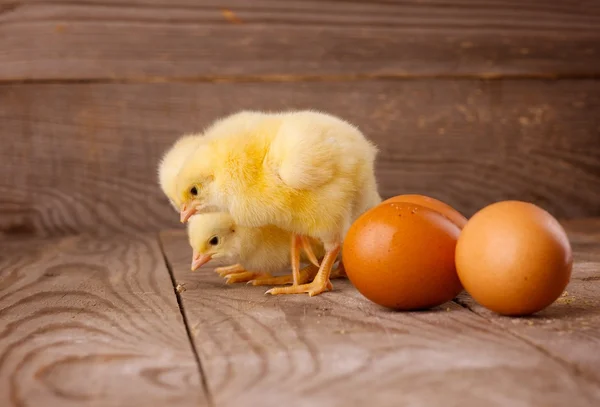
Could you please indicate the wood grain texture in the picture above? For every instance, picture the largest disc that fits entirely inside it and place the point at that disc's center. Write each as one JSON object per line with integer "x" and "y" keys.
{"x": 275, "y": 40}
{"x": 339, "y": 349}
{"x": 93, "y": 322}
{"x": 83, "y": 157}
{"x": 568, "y": 330}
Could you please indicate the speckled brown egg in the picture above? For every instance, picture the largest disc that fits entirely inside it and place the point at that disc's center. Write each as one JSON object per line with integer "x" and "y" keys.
{"x": 432, "y": 203}
{"x": 401, "y": 255}
{"x": 514, "y": 258}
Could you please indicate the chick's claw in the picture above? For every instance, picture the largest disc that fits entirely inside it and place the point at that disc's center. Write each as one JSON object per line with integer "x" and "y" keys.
{"x": 312, "y": 289}
{"x": 245, "y": 276}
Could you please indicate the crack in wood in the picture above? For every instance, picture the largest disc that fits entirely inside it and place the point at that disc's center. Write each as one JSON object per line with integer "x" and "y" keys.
{"x": 275, "y": 78}
{"x": 186, "y": 323}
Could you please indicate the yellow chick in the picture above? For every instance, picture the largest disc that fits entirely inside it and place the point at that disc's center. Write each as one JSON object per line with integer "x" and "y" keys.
{"x": 259, "y": 252}
{"x": 306, "y": 172}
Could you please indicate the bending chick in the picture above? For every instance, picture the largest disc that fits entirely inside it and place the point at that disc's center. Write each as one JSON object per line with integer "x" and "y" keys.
{"x": 305, "y": 172}
{"x": 258, "y": 251}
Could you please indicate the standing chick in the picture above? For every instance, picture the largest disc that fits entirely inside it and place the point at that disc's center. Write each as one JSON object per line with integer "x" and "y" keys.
{"x": 258, "y": 251}
{"x": 305, "y": 172}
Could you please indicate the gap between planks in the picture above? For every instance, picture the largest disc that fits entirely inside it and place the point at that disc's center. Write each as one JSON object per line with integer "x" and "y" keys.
{"x": 186, "y": 324}
{"x": 304, "y": 78}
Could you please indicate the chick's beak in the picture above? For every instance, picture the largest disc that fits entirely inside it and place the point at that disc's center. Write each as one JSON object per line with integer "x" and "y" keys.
{"x": 200, "y": 259}
{"x": 186, "y": 211}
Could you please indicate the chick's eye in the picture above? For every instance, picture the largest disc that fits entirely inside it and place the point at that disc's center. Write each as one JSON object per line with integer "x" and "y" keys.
{"x": 214, "y": 241}
{"x": 194, "y": 191}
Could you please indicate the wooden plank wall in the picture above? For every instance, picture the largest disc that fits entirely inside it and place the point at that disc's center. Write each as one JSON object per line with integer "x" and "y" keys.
{"x": 471, "y": 101}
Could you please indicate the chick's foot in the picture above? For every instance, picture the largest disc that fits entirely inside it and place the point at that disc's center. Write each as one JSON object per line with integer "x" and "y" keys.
{"x": 225, "y": 271}
{"x": 245, "y": 276}
{"x": 312, "y": 289}
{"x": 306, "y": 274}
{"x": 321, "y": 282}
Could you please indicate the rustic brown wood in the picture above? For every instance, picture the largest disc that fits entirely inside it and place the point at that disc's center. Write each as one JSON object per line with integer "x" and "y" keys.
{"x": 190, "y": 39}
{"x": 92, "y": 322}
{"x": 569, "y": 330}
{"x": 339, "y": 349}
{"x": 83, "y": 157}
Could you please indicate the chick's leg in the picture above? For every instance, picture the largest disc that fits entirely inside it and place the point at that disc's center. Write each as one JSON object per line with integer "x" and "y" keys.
{"x": 295, "y": 258}
{"x": 321, "y": 282}
{"x": 308, "y": 249}
{"x": 301, "y": 243}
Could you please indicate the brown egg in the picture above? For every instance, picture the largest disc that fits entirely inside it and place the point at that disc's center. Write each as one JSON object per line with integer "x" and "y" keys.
{"x": 432, "y": 203}
{"x": 401, "y": 255}
{"x": 514, "y": 258}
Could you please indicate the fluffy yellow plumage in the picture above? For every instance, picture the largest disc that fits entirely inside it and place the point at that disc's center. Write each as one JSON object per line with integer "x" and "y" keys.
{"x": 170, "y": 164}
{"x": 305, "y": 172}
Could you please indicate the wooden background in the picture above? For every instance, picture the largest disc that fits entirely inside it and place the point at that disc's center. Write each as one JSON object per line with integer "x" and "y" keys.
{"x": 470, "y": 101}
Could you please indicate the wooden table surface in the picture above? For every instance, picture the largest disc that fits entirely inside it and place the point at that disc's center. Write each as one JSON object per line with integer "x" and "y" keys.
{"x": 97, "y": 322}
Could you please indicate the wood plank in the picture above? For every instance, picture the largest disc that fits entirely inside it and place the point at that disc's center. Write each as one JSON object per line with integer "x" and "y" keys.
{"x": 83, "y": 157}
{"x": 199, "y": 40}
{"x": 570, "y": 328}
{"x": 92, "y": 321}
{"x": 339, "y": 349}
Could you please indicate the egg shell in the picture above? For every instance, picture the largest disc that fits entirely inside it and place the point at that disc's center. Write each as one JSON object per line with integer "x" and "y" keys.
{"x": 514, "y": 258}
{"x": 432, "y": 203}
{"x": 401, "y": 255}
